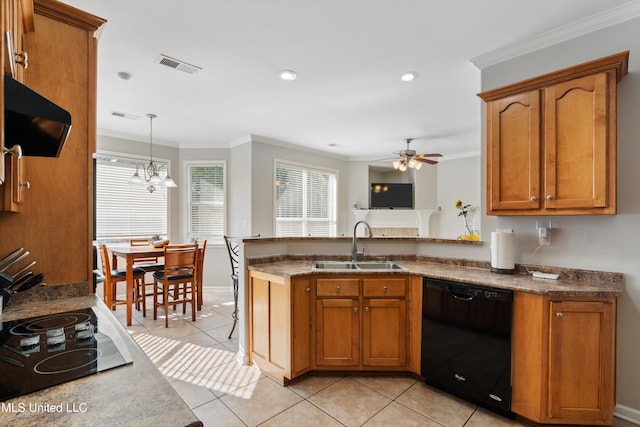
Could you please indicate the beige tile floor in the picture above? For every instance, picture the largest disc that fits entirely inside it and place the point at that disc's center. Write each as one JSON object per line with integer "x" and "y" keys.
{"x": 199, "y": 361}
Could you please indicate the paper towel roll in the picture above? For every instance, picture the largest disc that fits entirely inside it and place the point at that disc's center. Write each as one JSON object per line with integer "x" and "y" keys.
{"x": 502, "y": 252}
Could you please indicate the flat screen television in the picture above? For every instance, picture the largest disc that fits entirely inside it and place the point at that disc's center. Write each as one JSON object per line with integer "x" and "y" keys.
{"x": 391, "y": 195}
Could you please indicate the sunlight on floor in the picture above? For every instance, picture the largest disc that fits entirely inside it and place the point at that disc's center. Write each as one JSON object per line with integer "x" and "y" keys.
{"x": 208, "y": 367}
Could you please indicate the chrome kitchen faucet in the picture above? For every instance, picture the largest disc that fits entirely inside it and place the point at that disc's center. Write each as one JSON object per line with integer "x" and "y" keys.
{"x": 354, "y": 247}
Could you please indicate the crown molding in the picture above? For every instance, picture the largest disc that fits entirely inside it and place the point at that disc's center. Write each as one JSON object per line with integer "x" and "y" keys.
{"x": 613, "y": 16}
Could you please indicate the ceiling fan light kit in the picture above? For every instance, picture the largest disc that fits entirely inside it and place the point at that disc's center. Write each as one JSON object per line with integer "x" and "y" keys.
{"x": 412, "y": 160}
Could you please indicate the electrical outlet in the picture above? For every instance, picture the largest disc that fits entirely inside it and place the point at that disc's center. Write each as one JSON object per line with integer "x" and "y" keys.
{"x": 544, "y": 236}
{"x": 544, "y": 233}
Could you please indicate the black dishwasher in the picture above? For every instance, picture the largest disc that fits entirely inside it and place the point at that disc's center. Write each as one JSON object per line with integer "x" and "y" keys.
{"x": 466, "y": 342}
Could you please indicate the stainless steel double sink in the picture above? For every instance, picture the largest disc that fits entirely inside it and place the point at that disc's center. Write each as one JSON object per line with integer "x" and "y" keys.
{"x": 357, "y": 265}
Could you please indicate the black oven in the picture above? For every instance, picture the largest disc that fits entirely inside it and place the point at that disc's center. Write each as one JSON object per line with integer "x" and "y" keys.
{"x": 466, "y": 342}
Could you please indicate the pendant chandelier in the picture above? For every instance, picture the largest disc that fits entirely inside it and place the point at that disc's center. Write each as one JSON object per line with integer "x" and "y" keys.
{"x": 151, "y": 172}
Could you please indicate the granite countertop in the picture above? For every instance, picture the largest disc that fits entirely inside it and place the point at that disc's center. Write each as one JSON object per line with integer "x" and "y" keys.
{"x": 572, "y": 282}
{"x": 135, "y": 394}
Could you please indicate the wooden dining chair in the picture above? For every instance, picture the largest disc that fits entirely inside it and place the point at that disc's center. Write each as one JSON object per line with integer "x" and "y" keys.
{"x": 202, "y": 247}
{"x": 114, "y": 276}
{"x": 177, "y": 282}
{"x": 149, "y": 265}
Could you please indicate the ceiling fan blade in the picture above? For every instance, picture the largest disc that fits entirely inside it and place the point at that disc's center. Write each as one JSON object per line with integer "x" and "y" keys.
{"x": 428, "y": 155}
{"x": 423, "y": 160}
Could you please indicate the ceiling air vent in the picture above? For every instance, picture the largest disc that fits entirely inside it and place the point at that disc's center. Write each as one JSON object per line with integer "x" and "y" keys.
{"x": 177, "y": 64}
{"x": 125, "y": 115}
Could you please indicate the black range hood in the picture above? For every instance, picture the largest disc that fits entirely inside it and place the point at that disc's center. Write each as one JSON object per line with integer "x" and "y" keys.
{"x": 38, "y": 125}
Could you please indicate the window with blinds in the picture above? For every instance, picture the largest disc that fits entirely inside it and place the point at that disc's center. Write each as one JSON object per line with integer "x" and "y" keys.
{"x": 206, "y": 201}
{"x": 124, "y": 210}
{"x": 305, "y": 201}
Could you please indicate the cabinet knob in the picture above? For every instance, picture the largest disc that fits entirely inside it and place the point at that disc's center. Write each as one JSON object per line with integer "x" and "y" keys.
{"x": 533, "y": 198}
{"x": 337, "y": 288}
{"x": 559, "y": 315}
{"x": 549, "y": 197}
{"x": 22, "y": 58}
{"x": 308, "y": 290}
{"x": 366, "y": 309}
{"x": 384, "y": 288}
{"x": 355, "y": 309}
{"x": 26, "y": 185}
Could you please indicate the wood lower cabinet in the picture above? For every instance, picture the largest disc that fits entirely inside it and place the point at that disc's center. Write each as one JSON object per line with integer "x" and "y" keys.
{"x": 337, "y": 332}
{"x": 361, "y": 323}
{"x": 564, "y": 359}
{"x": 280, "y": 324}
{"x": 551, "y": 142}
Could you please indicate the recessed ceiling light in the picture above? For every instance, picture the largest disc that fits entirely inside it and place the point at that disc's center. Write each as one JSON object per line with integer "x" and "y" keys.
{"x": 409, "y": 76}
{"x": 288, "y": 75}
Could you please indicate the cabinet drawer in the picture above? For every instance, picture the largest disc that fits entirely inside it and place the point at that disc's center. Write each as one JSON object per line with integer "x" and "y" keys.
{"x": 337, "y": 287}
{"x": 384, "y": 287}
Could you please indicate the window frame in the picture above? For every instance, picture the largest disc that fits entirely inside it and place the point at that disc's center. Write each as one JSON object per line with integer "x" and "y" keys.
{"x": 141, "y": 159}
{"x": 333, "y": 207}
{"x": 187, "y": 164}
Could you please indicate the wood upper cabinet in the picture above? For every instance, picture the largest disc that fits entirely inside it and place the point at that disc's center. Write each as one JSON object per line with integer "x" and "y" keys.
{"x": 514, "y": 145}
{"x": 18, "y": 19}
{"x": 564, "y": 359}
{"x": 13, "y": 191}
{"x": 62, "y": 67}
{"x": 551, "y": 142}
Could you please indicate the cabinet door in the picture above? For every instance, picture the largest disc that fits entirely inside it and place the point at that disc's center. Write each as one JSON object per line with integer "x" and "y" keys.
{"x": 513, "y": 152}
{"x": 576, "y": 143}
{"x": 16, "y": 185}
{"x": 384, "y": 337}
{"x": 301, "y": 326}
{"x": 259, "y": 317}
{"x": 337, "y": 332}
{"x": 581, "y": 361}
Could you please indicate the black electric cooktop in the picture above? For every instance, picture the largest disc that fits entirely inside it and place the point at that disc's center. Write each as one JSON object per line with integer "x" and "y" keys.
{"x": 44, "y": 351}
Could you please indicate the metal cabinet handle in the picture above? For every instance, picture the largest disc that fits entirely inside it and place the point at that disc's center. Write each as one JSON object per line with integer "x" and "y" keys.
{"x": 549, "y": 197}
{"x": 22, "y": 58}
{"x": 26, "y": 185}
{"x": 366, "y": 309}
{"x": 355, "y": 309}
{"x": 559, "y": 315}
{"x": 533, "y": 198}
{"x": 308, "y": 290}
{"x": 338, "y": 288}
{"x": 384, "y": 288}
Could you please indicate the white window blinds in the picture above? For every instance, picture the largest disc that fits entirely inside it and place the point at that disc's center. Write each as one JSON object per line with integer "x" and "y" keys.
{"x": 305, "y": 201}
{"x": 207, "y": 199}
{"x": 124, "y": 210}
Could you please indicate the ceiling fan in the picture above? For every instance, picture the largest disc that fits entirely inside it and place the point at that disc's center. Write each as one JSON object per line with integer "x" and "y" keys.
{"x": 409, "y": 158}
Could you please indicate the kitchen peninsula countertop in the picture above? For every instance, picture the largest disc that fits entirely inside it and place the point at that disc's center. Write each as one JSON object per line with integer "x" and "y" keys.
{"x": 135, "y": 394}
{"x": 572, "y": 282}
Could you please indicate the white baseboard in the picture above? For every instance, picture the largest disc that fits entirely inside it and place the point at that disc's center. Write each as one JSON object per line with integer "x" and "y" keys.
{"x": 628, "y": 414}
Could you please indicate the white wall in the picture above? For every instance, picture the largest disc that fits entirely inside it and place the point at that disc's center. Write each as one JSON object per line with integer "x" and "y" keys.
{"x": 458, "y": 179}
{"x": 263, "y": 156}
{"x": 217, "y": 267}
{"x": 608, "y": 243}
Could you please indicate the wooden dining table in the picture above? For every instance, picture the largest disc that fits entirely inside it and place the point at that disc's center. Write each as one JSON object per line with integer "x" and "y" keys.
{"x": 133, "y": 253}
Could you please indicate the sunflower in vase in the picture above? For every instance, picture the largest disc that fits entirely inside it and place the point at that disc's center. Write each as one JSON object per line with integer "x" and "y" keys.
{"x": 467, "y": 213}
